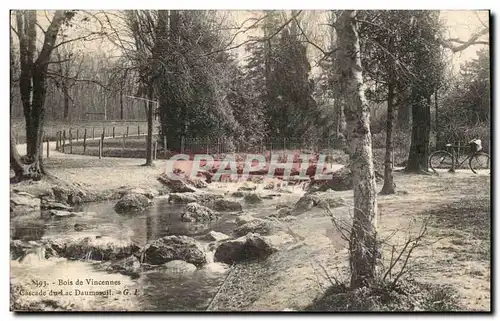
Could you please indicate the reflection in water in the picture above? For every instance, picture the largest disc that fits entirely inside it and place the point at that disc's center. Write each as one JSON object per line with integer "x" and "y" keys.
{"x": 159, "y": 290}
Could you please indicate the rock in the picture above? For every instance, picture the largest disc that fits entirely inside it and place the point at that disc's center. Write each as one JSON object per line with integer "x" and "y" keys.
{"x": 252, "y": 198}
{"x": 60, "y": 194}
{"x": 64, "y": 214}
{"x": 226, "y": 205}
{"x": 174, "y": 247}
{"x": 341, "y": 181}
{"x": 246, "y": 188}
{"x": 80, "y": 227}
{"x": 258, "y": 225}
{"x": 127, "y": 265}
{"x": 248, "y": 247}
{"x": 21, "y": 202}
{"x": 185, "y": 198}
{"x": 124, "y": 190}
{"x": 52, "y": 205}
{"x": 179, "y": 266}
{"x": 216, "y": 236}
{"x": 196, "y": 182}
{"x": 75, "y": 199}
{"x": 288, "y": 218}
{"x": 243, "y": 219}
{"x": 269, "y": 185}
{"x": 99, "y": 248}
{"x": 176, "y": 185}
{"x": 238, "y": 194}
{"x": 282, "y": 212}
{"x": 256, "y": 179}
{"x": 279, "y": 206}
{"x": 132, "y": 203}
{"x": 194, "y": 212}
{"x": 270, "y": 196}
{"x": 320, "y": 199}
{"x": 19, "y": 249}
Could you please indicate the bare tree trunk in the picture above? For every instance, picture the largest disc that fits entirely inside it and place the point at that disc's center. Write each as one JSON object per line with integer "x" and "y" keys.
{"x": 389, "y": 186}
{"x": 32, "y": 86}
{"x": 363, "y": 245}
{"x": 421, "y": 123}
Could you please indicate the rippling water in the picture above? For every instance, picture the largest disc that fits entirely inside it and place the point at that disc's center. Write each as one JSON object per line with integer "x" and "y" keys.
{"x": 157, "y": 290}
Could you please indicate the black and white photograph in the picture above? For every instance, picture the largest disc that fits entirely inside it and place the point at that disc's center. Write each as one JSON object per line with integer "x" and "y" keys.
{"x": 225, "y": 160}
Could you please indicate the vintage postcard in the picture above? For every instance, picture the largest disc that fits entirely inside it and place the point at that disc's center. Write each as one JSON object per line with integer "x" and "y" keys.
{"x": 224, "y": 160}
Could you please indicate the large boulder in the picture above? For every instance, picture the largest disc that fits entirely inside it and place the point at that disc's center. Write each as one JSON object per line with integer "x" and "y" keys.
{"x": 174, "y": 247}
{"x": 22, "y": 202}
{"x": 194, "y": 212}
{"x": 197, "y": 182}
{"x": 258, "y": 225}
{"x": 128, "y": 265}
{"x": 132, "y": 203}
{"x": 226, "y": 205}
{"x": 248, "y": 247}
{"x": 178, "y": 185}
{"x": 100, "y": 248}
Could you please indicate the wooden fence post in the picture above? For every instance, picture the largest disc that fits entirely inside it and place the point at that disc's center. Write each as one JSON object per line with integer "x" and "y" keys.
{"x": 85, "y": 141}
{"x": 70, "y": 142}
{"x": 77, "y": 134}
{"x": 64, "y": 140}
{"x": 123, "y": 144}
{"x": 103, "y": 132}
{"x": 127, "y": 131}
{"x": 93, "y": 133}
{"x": 138, "y": 131}
{"x": 48, "y": 147}
{"x": 113, "y": 131}
{"x": 57, "y": 140}
{"x": 101, "y": 145}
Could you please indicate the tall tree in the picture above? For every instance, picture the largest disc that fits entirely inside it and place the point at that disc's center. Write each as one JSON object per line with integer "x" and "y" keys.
{"x": 363, "y": 243}
{"x": 32, "y": 84}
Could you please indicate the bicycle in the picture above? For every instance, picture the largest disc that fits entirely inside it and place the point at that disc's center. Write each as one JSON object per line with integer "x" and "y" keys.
{"x": 443, "y": 159}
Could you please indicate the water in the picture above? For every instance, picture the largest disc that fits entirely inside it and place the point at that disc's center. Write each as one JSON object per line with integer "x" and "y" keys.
{"x": 157, "y": 290}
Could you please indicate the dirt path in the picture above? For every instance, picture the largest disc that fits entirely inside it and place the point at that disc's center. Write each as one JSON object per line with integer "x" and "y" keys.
{"x": 452, "y": 254}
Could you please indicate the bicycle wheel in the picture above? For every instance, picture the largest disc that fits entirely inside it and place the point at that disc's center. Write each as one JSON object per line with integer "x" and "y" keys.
{"x": 479, "y": 161}
{"x": 441, "y": 160}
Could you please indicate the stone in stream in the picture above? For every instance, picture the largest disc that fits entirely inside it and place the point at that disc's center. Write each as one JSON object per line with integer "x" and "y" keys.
{"x": 132, "y": 203}
{"x": 258, "y": 225}
{"x": 99, "y": 248}
{"x": 282, "y": 212}
{"x": 249, "y": 247}
{"x": 226, "y": 205}
{"x": 124, "y": 190}
{"x": 252, "y": 198}
{"x": 216, "y": 236}
{"x": 246, "y": 188}
{"x": 243, "y": 219}
{"x": 22, "y": 202}
{"x": 238, "y": 194}
{"x": 194, "y": 212}
{"x": 52, "y": 205}
{"x": 128, "y": 265}
{"x": 171, "y": 248}
{"x": 185, "y": 198}
{"x": 64, "y": 214}
{"x": 177, "y": 185}
{"x": 178, "y": 266}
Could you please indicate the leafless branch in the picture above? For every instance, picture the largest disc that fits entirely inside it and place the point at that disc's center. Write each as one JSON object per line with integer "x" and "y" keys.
{"x": 473, "y": 40}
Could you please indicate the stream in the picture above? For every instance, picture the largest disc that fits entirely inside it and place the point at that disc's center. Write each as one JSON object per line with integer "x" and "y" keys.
{"x": 152, "y": 290}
